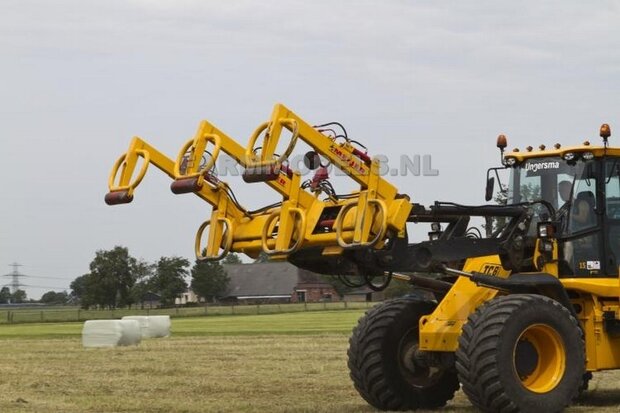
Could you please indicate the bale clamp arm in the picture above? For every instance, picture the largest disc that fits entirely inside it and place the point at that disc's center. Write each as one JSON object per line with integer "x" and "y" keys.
{"x": 376, "y": 209}
{"x": 122, "y": 185}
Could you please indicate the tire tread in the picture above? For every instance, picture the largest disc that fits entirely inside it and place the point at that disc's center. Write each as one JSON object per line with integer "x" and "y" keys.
{"x": 366, "y": 360}
{"x": 476, "y": 361}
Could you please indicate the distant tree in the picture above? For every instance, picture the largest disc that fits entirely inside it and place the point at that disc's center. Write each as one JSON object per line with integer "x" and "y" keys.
{"x": 53, "y": 297}
{"x": 62, "y": 297}
{"x": 530, "y": 192}
{"x": 84, "y": 290}
{"x": 48, "y": 297}
{"x": 232, "y": 258}
{"x": 209, "y": 280}
{"x": 19, "y": 296}
{"x": 492, "y": 224}
{"x": 169, "y": 278}
{"x": 140, "y": 289}
{"x": 5, "y": 295}
{"x": 144, "y": 282}
{"x": 109, "y": 283}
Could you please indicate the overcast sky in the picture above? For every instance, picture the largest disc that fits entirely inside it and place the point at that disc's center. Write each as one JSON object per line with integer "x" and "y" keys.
{"x": 79, "y": 78}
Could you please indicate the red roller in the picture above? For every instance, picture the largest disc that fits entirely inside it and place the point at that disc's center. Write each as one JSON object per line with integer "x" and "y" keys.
{"x": 118, "y": 197}
{"x": 261, "y": 173}
{"x": 327, "y": 223}
{"x": 185, "y": 185}
{"x": 363, "y": 156}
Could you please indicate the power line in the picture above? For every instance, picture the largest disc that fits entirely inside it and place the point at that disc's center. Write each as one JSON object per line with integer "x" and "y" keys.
{"x": 15, "y": 284}
{"x": 49, "y": 278}
{"x": 38, "y": 286}
{"x": 59, "y": 267}
{"x": 44, "y": 287}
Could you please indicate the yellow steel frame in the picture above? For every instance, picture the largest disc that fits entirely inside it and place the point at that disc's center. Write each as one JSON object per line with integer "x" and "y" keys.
{"x": 440, "y": 330}
{"x": 364, "y": 219}
{"x": 377, "y": 197}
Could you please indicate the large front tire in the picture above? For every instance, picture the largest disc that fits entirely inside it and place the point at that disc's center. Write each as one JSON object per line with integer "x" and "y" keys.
{"x": 381, "y": 359}
{"x": 521, "y": 353}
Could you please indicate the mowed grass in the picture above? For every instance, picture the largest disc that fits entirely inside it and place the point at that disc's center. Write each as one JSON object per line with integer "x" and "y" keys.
{"x": 265, "y": 363}
{"x": 315, "y": 322}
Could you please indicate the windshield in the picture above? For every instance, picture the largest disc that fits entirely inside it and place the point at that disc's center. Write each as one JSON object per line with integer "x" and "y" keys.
{"x": 557, "y": 182}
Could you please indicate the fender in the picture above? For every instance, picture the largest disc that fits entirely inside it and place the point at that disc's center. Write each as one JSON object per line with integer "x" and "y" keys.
{"x": 528, "y": 283}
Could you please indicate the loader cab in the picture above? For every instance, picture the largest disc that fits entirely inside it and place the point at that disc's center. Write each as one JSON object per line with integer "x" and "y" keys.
{"x": 584, "y": 191}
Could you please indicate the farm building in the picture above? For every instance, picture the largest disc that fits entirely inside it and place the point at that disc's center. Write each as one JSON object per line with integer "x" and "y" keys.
{"x": 363, "y": 294}
{"x": 272, "y": 282}
{"x": 150, "y": 300}
{"x": 188, "y": 297}
{"x": 276, "y": 282}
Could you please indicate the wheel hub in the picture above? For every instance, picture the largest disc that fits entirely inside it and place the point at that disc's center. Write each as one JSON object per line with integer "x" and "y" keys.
{"x": 526, "y": 359}
{"x": 409, "y": 358}
{"x": 539, "y": 358}
{"x": 416, "y": 366}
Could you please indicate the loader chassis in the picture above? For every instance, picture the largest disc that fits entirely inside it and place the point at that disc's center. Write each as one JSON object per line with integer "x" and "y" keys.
{"x": 520, "y": 317}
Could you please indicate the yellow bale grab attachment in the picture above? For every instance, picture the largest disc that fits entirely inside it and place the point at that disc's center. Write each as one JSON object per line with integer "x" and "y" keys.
{"x": 301, "y": 219}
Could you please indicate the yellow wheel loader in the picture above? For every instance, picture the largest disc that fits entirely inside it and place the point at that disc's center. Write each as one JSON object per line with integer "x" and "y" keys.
{"x": 518, "y": 316}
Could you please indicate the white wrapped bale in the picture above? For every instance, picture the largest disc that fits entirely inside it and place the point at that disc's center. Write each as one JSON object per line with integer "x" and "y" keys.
{"x": 152, "y": 326}
{"x": 111, "y": 333}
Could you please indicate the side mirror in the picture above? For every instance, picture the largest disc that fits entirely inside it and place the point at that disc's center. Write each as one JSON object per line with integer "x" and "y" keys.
{"x": 489, "y": 189}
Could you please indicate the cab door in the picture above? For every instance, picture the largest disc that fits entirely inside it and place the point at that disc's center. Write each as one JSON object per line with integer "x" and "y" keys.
{"x": 612, "y": 215}
{"x": 582, "y": 255}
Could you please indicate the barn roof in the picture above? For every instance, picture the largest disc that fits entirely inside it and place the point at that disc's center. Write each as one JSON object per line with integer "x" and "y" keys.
{"x": 267, "y": 279}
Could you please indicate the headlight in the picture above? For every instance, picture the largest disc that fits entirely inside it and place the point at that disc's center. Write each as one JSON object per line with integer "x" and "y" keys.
{"x": 542, "y": 231}
{"x": 546, "y": 230}
{"x": 587, "y": 156}
{"x": 569, "y": 156}
{"x": 510, "y": 161}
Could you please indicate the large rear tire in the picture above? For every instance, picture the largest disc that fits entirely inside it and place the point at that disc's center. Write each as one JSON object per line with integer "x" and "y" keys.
{"x": 381, "y": 359}
{"x": 521, "y": 353}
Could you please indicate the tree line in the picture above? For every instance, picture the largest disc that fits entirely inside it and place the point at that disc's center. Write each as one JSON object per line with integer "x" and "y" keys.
{"x": 6, "y": 296}
{"x": 116, "y": 279}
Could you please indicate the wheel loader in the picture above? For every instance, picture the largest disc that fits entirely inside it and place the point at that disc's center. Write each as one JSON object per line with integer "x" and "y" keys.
{"x": 518, "y": 316}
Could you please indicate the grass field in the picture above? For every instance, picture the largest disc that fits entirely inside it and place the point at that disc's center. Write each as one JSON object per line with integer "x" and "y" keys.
{"x": 265, "y": 363}
{"x": 60, "y": 314}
